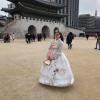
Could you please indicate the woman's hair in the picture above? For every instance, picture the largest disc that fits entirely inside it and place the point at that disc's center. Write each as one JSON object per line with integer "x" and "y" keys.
{"x": 61, "y": 36}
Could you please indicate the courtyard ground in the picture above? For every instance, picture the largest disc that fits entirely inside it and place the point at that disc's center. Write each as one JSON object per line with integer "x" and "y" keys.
{"x": 20, "y": 64}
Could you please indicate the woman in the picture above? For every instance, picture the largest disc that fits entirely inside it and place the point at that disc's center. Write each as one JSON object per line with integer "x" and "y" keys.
{"x": 56, "y": 69}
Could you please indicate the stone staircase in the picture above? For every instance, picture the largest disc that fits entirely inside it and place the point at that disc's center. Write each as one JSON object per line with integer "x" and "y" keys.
{"x": 8, "y": 26}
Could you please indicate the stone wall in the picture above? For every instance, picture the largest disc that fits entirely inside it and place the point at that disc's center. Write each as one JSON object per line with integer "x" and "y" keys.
{"x": 20, "y": 26}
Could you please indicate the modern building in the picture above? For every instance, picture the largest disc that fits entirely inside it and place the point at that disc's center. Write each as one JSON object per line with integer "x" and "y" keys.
{"x": 86, "y": 21}
{"x": 71, "y": 8}
{"x": 41, "y": 16}
{"x": 90, "y": 24}
{"x": 97, "y": 23}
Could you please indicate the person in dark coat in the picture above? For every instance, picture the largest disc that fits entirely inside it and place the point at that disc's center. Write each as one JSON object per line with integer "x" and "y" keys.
{"x": 28, "y": 37}
{"x": 6, "y": 38}
{"x": 69, "y": 39}
{"x": 33, "y": 37}
{"x": 87, "y": 36}
{"x": 44, "y": 36}
{"x": 39, "y": 37}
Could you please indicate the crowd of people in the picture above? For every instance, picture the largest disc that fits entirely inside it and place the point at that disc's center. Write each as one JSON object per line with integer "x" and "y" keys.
{"x": 8, "y": 37}
{"x": 32, "y": 37}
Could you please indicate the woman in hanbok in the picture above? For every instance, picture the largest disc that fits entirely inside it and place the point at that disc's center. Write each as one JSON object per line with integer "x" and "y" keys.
{"x": 56, "y": 70}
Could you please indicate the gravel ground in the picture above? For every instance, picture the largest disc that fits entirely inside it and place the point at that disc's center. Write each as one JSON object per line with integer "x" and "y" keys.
{"x": 20, "y": 64}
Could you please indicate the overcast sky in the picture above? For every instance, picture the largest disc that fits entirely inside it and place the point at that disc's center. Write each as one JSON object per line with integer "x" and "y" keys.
{"x": 85, "y": 7}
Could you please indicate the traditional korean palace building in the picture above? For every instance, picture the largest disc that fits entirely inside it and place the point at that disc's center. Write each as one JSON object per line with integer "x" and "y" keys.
{"x": 42, "y": 16}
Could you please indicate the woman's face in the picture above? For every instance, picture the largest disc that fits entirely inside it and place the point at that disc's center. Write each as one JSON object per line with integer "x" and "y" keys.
{"x": 57, "y": 36}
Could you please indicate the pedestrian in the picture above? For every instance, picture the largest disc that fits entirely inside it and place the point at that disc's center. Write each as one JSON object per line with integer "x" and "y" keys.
{"x": 56, "y": 70}
{"x": 69, "y": 39}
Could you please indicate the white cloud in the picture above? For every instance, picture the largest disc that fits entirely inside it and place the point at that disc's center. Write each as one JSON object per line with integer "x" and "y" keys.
{"x": 98, "y": 1}
{"x": 98, "y": 7}
{"x": 3, "y": 4}
{"x": 89, "y": 6}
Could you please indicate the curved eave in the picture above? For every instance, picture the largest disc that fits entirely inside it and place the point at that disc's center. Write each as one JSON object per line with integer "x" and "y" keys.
{"x": 41, "y": 3}
{"x": 35, "y": 11}
{"x": 6, "y": 9}
{"x": 10, "y": 11}
{"x": 21, "y": 8}
{"x": 39, "y": 12}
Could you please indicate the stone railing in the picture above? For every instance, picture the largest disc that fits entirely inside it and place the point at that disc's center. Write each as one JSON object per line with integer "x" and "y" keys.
{"x": 9, "y": 25}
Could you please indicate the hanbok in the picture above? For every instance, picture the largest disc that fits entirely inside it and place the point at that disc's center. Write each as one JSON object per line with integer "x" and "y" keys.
{"x": 58, "y": 72}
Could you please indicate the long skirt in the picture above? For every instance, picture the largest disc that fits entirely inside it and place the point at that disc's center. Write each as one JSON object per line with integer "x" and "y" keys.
{"x": 58, "y": 73}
